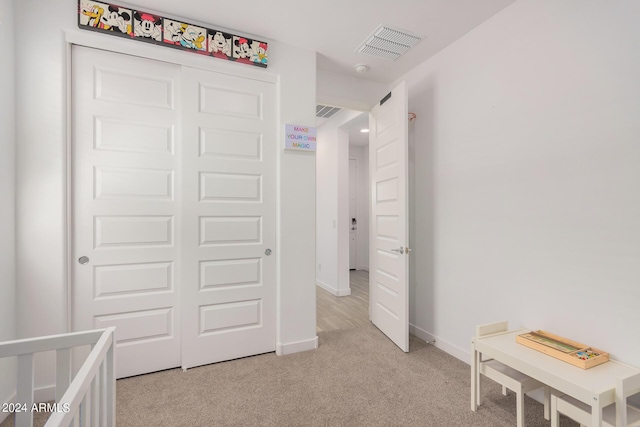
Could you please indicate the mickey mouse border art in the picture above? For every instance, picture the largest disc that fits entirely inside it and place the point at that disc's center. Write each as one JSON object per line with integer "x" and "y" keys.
{"x": 151, "y": 28}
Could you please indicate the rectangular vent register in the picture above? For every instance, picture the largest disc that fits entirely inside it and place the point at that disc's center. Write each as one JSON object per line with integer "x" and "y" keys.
{"x": 388, "y": 43}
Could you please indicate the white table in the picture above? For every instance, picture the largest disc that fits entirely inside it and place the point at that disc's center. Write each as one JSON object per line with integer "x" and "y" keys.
{"x": 594, "y": 386}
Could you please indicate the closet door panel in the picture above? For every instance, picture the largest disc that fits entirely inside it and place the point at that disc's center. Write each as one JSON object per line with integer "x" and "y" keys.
{"x": 229, "y": 217}
{"x": 126, "y": 205}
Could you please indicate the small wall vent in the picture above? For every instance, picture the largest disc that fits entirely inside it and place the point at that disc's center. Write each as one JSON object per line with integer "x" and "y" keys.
{"x": 388, "y": 43}
{"x": 325, "y": 111}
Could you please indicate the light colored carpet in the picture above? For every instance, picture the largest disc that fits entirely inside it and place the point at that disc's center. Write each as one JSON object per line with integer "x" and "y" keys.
{"x": 357, "y": 377}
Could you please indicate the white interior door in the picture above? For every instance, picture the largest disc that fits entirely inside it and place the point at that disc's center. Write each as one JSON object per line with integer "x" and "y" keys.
{"x": 229, "y": 217}
{"x": 125, "y": 205}
{"x": 389, "y": 260}
{"x": 353, "y": 208}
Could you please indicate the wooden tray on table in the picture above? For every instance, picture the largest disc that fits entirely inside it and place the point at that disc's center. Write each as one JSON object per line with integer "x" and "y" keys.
{"x": 569, "y": 351}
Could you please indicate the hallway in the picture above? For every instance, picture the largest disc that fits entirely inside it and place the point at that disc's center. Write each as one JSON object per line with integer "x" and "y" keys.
{"x": 344, "y": 312}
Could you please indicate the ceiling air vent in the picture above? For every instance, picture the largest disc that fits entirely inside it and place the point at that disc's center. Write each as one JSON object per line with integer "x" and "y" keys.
{"x": 325, "y": 111}
{"x": 388, "y": 43}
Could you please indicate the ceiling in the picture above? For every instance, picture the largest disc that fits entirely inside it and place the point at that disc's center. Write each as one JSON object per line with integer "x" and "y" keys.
{"x": 353, "y": 127}
{"x": 335, "y": 28}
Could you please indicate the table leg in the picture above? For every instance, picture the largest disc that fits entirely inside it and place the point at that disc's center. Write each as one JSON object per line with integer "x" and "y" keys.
{"x": 596, "y": 413}
{"x": 547, "y": 400}
{"x": 520, "y": 409}
{"x": 474, "y": 378}
{"x": 555, "y": 415}
{"x": 621, "y": 407}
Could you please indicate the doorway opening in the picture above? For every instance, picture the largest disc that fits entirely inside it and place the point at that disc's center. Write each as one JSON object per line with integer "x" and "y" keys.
{"x": 388, "y": 212}
{"x": 342, "y": 212}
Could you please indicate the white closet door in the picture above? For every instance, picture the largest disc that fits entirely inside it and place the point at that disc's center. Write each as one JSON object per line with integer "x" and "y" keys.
{"x": 229, "y": 284}
{"x": 126, "y": 205}
{"x": 389, "y": 258}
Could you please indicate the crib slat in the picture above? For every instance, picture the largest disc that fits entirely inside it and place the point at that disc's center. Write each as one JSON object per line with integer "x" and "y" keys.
{"x": 24, "y": 395}
{"x": 111, "y": 385}
{"x": 103, "y": 394}
{"x": 63, "y": 372}
{"x": 95, "y": 400}
{"x": 85, "y": 410}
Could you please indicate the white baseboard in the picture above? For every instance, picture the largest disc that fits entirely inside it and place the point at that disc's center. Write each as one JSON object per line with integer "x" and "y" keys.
{"x": 443, "y": 345}
{"x": 296, "y": 347}
{"x": 332, "y": 290}
{"x": 11, "y": 399}
{"x": 343, "y": 293}
{"x": 420, "y": 333}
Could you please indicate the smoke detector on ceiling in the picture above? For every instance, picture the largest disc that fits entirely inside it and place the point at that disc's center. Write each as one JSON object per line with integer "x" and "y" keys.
{"x": 362, "y": 68}
{"x": 388, "y": 43}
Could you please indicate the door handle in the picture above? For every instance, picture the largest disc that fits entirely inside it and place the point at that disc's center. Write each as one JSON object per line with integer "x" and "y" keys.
{"x": 400, "y": 251}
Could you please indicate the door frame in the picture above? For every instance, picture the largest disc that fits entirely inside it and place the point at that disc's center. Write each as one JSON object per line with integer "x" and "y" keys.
{"x": 341, "y": 287}
{"x": 157, "y": 53}
{"x": 357, "y": 161}
{"x": 356, "y": 107}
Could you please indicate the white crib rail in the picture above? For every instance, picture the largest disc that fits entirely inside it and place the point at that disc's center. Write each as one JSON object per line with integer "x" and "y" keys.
{"x": 88, "y": 400}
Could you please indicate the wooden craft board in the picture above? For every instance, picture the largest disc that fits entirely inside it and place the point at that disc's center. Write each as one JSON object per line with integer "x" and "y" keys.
{"x": 569, "y": 351}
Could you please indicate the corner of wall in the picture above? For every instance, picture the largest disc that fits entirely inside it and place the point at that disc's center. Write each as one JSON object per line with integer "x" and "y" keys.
{"x": 7, "y": 198}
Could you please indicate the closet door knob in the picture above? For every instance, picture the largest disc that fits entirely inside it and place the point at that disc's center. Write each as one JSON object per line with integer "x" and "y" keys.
{"x": 267, "y": 252}
{"x": 83, "y": 260}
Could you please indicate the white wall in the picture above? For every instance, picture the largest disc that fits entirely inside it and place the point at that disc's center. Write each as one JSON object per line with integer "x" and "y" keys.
{"x": 7, "y": 196}
{"x": 348, "y": 92}
{"x": 332, "y": 200}
{"x": 41, "y": 178}
{"x": 361, "y": 154}
{"x": 526, "y": 177}
{"x": 40, "y": 198}
{"x": 297, "y": 207}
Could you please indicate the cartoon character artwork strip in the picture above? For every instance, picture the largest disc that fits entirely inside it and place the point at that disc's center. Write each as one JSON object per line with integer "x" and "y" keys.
{"x": 236, "y": 48}
{"x": 105, "y": 17}
{"x": 112, "y": 19}
{"x": 220, "y": 44}
{"x": 187, "y": 36}
{"x": 249, "y": 51}
{"x": 259, "y": 53}
{"x": 147, "y": 26}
